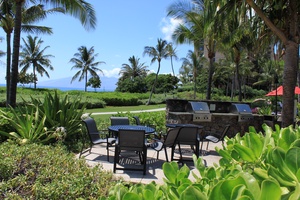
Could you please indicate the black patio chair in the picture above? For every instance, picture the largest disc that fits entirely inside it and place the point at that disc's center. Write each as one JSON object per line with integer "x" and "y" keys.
{"x": 119, "y": 121}
{"x": 131, "y": 141}
{"x": 188, "y": 136}
{"x": 168, "y": 141}
{"x": 215, "y": 137}
{"x": 96, "y": 136}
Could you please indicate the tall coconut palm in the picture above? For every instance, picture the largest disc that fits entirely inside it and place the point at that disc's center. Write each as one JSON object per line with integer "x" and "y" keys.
{"x": 77, "y": 8}
{"x": 32, "y": 54}
{"x": 30, "y": 16}
{"x": 133, "y": 69}
{"x": 196, "y": 29}
{"x": 84, "y": 60}
{"x": 157, "y": 53}
{"x": 172, "y": 54}
{"x": 281, "y": 18}
{"x": 192, "y": 61}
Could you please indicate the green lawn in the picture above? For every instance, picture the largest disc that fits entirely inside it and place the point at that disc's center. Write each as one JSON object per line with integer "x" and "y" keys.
{"x": 126, "y": 108}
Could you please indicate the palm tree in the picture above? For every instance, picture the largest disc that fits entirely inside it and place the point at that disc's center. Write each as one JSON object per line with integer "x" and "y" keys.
{"x": 157, "y": 53}
{"x": 280, "y": 19}
{"x": 30, "y": 16}
{"x": 133, "y": 69}
{"x": 79, "y": 9}
{"x": 172, "y": 54}
{"x": 194, "y": 62}
{"x": 84, "y": 60}
{"x": 32, "y": 55}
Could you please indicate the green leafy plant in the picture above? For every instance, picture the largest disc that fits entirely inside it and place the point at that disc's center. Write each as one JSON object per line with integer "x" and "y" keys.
{"x": 257, "y": 166}
{"x": 29, "y": 125}
{"x": 62, "y": 112}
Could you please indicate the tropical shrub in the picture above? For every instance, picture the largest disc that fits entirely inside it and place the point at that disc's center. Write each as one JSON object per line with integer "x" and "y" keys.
{"x": 53, "y": 119}
{"x": 35, "y": 171}
{"x": 28, "y": 124}
{"x": 62, "y": 112}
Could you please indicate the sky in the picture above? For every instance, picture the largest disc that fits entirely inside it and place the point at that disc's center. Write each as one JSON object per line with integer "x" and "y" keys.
{"x": 123, "y": 29}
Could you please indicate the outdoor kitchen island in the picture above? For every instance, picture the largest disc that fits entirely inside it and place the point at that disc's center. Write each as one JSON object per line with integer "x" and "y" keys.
{"x": 213, "y": 115}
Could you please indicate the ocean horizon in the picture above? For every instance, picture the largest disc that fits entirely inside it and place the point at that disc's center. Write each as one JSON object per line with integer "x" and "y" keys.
{"x": 63, "y": 88}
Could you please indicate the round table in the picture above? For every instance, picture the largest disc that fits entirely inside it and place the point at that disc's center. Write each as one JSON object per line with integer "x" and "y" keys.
{"x": 116, "y": 128}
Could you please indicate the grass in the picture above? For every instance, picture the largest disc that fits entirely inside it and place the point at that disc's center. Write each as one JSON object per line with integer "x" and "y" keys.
{"x": 124, "y": 109}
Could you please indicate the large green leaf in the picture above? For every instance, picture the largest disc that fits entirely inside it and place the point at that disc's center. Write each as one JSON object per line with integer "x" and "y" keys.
{"x": 245, "y": 153}
{"x": 131, "y": 196}
{"x": 170, "y": 171}
{"x": 292, "y": 159}
{"x": 270, "y": 190}
{"x": 192, "y": 193}
{"x": 279, "y": 161}
{"x": 256, "y": 144}
{"x": 286, "y": 138}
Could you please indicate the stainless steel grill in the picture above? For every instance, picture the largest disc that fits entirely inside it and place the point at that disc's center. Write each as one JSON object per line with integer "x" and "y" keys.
{"x": 200, "y": 110}
{"x": 243, "y": 110}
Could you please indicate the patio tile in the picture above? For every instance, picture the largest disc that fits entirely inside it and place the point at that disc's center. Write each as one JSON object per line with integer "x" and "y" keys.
{"x": 154, "y": 166}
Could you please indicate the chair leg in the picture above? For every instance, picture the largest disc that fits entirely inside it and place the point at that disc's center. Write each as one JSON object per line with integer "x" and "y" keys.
{"x": 180, "y": 153}
{"x": 172, "y": 153}
{"x": 201, "y": 148}
{"x": 207, "y": 145}
{"x": 145, "y": 161}
{"x": 107, "y": 152}
{"x": 197, "y": 150}
{"x": 116, "y": 159}
{"x": 166, "y": 154}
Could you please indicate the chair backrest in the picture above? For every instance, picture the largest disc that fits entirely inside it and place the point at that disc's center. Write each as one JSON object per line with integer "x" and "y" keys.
{"x": 224, "y": 133}
{"x": 91, "y": 129}
{"x": 188, "y": 135}
{"x": 131, "y": 139}
{"x": 137, "y": 120}
{"x": 171, "y": 137}
{"x": 119, "y": 121}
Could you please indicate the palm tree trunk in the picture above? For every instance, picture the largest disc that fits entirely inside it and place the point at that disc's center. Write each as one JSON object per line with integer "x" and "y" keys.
{"x": 15, "y": 57}
{"x": 8, "y": 63}
{"x": 85, "y": 84}
{"x": 34, "y": 77}
{"x": 210, "y": 74}
{"x": 172, "y": 66}
{"x": 289, "y": 83}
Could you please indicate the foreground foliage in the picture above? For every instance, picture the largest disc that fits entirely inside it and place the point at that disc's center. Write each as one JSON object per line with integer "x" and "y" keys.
{"x": 35, "y": 171}
{"x": 257, "y": 166}
{"x": 48, "y": 121}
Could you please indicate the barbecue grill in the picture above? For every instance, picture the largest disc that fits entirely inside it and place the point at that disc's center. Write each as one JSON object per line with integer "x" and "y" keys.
{"x": 200, "y": 110}
{"x": 243, "y": 110}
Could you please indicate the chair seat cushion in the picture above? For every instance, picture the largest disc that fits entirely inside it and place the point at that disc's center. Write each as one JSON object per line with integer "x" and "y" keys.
{"x": 212, "y": 138}
{"x": 157, "y": 145}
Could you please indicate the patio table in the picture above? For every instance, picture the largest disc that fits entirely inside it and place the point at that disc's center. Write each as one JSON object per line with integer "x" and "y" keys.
{"x": 116, "y": 128}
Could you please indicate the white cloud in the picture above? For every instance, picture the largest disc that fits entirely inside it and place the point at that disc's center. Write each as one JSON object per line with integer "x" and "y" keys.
{"x": 168, "y": 25}
{"x": 112, "y": 73}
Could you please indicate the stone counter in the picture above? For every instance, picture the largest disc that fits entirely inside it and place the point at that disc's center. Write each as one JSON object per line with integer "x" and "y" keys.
{"x": 218, "y": 121}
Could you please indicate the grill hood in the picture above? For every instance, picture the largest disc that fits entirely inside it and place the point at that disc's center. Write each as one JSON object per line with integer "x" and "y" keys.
{"x": 238, "y": 108}
{"x": 197, "y": 107}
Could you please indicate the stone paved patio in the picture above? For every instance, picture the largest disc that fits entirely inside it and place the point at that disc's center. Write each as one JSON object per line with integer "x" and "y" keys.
{"x": 154, "y": 166}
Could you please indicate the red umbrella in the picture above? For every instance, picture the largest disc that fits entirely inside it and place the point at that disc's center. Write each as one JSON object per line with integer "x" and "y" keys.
{"x": 280, "y": 91}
